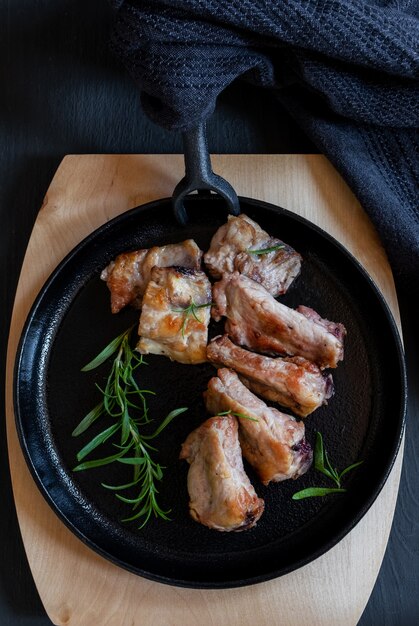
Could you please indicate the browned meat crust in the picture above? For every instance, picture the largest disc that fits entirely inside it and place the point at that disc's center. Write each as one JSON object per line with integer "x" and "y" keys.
{"x": 293, "y": 382}
{"x": 274, "y": 444}
{"x": 258, "y": 321}
{"x": 221, "y": 494}
{"x": 128, "y": 275}
{"x": 165, "y": 327}
{"x": 231, "y": 249}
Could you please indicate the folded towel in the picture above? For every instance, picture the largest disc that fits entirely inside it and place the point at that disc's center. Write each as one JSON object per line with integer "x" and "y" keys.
{"x": 347, "y": 70}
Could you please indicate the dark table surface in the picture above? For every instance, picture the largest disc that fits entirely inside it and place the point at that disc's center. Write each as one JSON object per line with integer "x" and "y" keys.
{"x": 61, "y": 92}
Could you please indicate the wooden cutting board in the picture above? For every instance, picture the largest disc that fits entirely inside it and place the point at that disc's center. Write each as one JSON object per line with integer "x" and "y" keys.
{"x": 79, "y": 587}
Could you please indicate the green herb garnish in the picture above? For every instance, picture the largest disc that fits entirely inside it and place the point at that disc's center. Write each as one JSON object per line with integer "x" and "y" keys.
{"x": 312, "y": 492}
{"x": 240, "y": 415}
{"x": 191, "y": 311}
{"x": 265, "y": 250}
{"x": 323, "y": 465}
{"x": 126, "y": 404}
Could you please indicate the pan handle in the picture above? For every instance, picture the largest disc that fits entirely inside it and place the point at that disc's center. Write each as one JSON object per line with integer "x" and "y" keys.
{"x": 199, "y": 175}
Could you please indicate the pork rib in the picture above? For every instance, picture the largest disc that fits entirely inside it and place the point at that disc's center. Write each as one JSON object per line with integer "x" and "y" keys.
{"x": 231, "y": 249}
{"x": 221, "y": 495}
{"x": 293, "y": 382}
{"x": 274, "y": 444}
{"x": 258, "y": 321}
{"x": 166, "y": 326}
{"x": 128, "y": 275}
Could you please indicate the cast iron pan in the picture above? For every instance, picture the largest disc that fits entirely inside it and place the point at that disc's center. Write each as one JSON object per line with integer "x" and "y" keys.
{"x": 71, "y": 322}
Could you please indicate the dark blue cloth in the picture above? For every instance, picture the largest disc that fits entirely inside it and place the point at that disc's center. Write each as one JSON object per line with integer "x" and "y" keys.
{"x": 346, "y": 70}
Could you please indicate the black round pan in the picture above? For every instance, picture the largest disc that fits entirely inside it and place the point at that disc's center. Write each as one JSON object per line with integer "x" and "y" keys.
{"x": 71, "y": 322}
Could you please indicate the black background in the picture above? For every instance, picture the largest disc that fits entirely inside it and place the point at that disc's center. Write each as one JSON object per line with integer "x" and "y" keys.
{"x": 61, "y": 92}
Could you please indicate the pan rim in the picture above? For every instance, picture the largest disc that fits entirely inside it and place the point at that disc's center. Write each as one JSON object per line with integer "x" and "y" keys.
{"x": 402, "y": 402}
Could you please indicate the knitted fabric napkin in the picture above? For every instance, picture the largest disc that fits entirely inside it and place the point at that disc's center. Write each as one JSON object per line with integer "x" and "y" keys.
{"x": 347, "y": 70}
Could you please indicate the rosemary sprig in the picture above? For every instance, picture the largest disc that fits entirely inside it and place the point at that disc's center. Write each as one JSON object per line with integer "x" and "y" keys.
{"x": 240, "y": 415}
{"x": 322, "y": 464}
{"x": 126, "y": 403}
{"x": 191, "y": 311}
{"x": 265, "y": 250}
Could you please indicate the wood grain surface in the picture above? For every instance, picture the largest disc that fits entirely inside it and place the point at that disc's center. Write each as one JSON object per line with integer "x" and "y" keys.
{"x": 78, "y": 587}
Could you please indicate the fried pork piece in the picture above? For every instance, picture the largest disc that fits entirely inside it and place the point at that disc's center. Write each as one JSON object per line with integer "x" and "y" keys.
{"x": 128, "y": 275}
{"x": 229, "y": 251}
{"x": 221, "y": 494}
{"x": 293, "y": 382}
{"x": 256, "y": 320}
{"x": 167, "y": 326}
{"x": 274, "y": 444}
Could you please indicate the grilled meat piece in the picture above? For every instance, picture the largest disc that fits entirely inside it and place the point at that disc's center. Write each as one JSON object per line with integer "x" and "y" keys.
{"x": 167, "y": 326}
{"x": 256, "y": 320}
{"x": 274, "y": 444}
{"x": 231, "y": 247}
{"x": 221, "y": 494}
{"x": 293, "y": 382}
{"x": 128, "y": 275}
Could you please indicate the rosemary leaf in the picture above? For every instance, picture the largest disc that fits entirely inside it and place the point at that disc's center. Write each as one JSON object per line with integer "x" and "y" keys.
{"x": 119, "y": 487}
{"x": 134, "y": 460}
{"x": 312, "y": 492}
{"x": 97, "y": 441}
{"x": 105, "y": 354}
{"x": 98, "y": 462}
{"x": 158, "y": 472}
{"x": 127, "y": 500}
{"x": 146, "y": 510}
{"x": 165, "y": 422}
{"x": 332, "y": 470}
{"x": 348, "y": 469}
{"x": 88, "y": 420}
{"x": 125, "y": 430}
{"x": 240, "y": 415}
{"x": 265, "y": 250}
{"x": 319, "y": 457}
